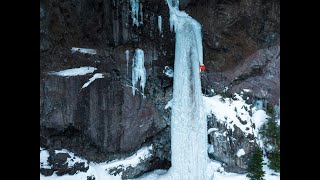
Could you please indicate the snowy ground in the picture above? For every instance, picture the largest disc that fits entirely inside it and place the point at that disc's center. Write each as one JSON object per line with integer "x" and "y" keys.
{"x": 99, "y": 170}
{"x": 216, "y": 172}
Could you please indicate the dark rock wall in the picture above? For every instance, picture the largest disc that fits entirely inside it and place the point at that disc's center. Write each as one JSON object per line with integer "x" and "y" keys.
{"x": 234, "y": 29}
{"x": 105, "y": 111}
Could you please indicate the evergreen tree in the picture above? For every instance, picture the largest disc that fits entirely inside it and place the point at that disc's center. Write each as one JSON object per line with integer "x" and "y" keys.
{"x": 255, "y": 171}
{"x": 270, "y": 132}
{"x": 274, "y": 158}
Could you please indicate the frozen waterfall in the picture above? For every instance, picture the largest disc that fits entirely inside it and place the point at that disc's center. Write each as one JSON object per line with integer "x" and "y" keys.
{"x": 188, "y": 124}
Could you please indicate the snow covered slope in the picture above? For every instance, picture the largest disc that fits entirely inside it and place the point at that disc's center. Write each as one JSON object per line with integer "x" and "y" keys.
{"x": 235, "y": 111}
{"x": 100, "y": 171}
{"x": 216, "y": 172}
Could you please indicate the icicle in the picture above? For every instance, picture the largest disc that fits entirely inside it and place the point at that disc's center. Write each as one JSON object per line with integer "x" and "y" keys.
{"x": 151, "y": 59}
{"x": 176, "y": 17}
{"x": 138, "y": 70}
{"x": 171, "y": 20}
{"x": 141, "y": 14}
{"x": 127, "y": 59}
{"x": 160, "y": 24}
{"x": 136, "y": 10}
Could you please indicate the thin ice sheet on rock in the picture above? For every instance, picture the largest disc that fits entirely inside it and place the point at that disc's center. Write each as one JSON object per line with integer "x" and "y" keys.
{"x": 84, "y": 50}
{"x": 160, "y": 24}
{"x": 74, "y": 71}
{"x": 138, "y": 71}
{"x": 127, "y": 59}
{"x": 94, "y": 77}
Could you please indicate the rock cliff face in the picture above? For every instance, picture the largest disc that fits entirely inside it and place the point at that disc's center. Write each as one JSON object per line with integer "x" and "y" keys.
{"x": 104, "y": 121}
{"x": 226, "y": 144}
{"x": 259, "y": 73}
{"x": 106, "y": 111}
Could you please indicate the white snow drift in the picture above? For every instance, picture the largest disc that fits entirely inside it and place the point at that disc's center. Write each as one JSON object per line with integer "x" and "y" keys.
{"x": 74, "y": 71}
{"x": 229, "y": 111}
{"x": 83, "y": 50}
{"x": 240, "y": 152}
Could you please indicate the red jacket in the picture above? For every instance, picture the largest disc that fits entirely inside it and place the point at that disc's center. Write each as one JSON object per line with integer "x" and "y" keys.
{"x": 202, "y": 67}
